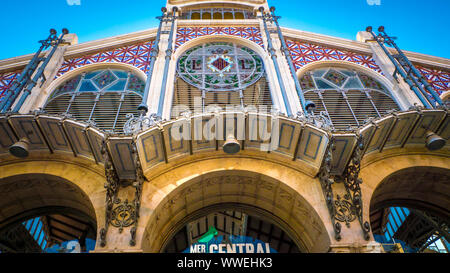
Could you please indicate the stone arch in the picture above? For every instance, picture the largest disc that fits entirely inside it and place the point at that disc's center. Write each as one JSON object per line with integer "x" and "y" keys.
{"x": 268, "y": 64}
{"x": 421, "y": 187}
{"x": 383, "y": 186}
{"x": 51, "y": 184}
{"x": 292, "y": 198}
{"x": 32, "y": 195}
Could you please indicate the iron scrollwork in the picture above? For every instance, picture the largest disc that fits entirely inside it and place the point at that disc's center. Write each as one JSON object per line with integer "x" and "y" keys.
{"x": 326, "y": 183}
{"x": 352, "y": 185}
{"x": 138, "y": 185}
{"x": 345, "y": 211}
{"x": 123, "y": 215}
{"x": 136, "y": 125}
{"x": 321, "y": 120}
{"x": 112, "y": 187}
{"x": 126, "y": 213}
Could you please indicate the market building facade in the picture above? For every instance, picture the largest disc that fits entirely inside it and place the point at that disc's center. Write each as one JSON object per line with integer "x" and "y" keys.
{"x": 223, "y": 127}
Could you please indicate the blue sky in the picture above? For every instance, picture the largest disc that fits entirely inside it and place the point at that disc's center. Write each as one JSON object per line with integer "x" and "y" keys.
{"x": 421, "y": 26}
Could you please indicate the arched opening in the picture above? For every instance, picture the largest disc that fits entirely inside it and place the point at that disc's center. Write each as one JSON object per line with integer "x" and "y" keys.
{"x": 410, "y": 208}
{"x": 217, "y": 16}
{"x": 195, "y": 16}
{"x": 217, "y": 11}
{"x": 239, "y": 15}
{"x": 206, "y": 16}
{"x": 347, "y": 96}
{"x": 103, "y": 96}
{"x": 234, "y": 223}
{"x": 228, "y": 15}
{"x": 223, "y": 74}
{"x": 45, "y": 213}
{"x": 275, "y": 214}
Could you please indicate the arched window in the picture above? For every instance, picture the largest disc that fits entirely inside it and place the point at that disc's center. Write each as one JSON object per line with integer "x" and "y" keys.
{"x": 220, "y": 74}
{"x": 217, "y": 16}
{"x": 195, "y": 16}
{"x": 346, "y": 96}
{"x": 206, "y": 15}
{"x": 103, "y": 96}
{"x": 217, "y": 13}
{"x": 228, "y": 15}
{"x": 239, "y": 15}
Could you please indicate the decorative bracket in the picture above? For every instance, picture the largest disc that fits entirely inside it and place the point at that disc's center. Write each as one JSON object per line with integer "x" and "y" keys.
{"x": 326, "y": 182}
{"x": 125, "y": 214}
{"x": 138, "y": 185}
{"x": 352, "y": 185}
{"x": 112, "y": 187}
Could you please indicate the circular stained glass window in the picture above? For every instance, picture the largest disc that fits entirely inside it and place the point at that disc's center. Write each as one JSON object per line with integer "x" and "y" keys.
{"x": 220, "y": 67}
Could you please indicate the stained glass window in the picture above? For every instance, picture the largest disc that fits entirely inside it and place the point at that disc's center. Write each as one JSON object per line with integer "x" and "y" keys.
{"x": 347, "y": 97}
{"x": 222, "y": 75}
{"x": 220, "y": 67}
{"x": 104, "y": 97}
{"x": 102, "y": 80}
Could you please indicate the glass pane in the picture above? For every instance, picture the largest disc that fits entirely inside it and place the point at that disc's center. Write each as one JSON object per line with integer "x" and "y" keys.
{"x": 323, "y": 85}
{"x": 119, "y": 86}
{"x": 353, "y": 83}
{"x": 400, "y": 214}
{"x": 69, "y": 86}
{"x": 347, "y": 72}
{"x": 319, "y": 72}
{"x": 392, "y": 222}
{"x": 121, "y": 74}
{"x": 90, "y": 75}
{"x": 87, "y": 86}
{"x": 104, "y": 79}
{"x": 369, "y": 82}
{"x": 135, "y": 84}
{"x": 335, "y": 77}
{"x": 220, "y": 66}
{"x": 307, "y": 83}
